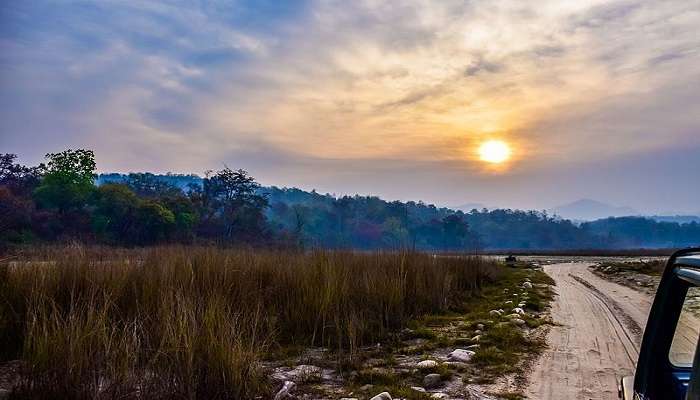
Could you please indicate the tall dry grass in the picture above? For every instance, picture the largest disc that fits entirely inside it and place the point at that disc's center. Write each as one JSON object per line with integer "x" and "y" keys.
{"x": 193, "y": 322}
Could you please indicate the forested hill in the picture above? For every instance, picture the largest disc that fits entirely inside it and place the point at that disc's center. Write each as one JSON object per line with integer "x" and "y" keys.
{"x": 368, "y": 222}
{"x": 63, "y": 200}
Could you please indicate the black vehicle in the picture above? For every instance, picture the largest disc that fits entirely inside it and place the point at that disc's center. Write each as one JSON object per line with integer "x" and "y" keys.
{"x": 669, "y": 363}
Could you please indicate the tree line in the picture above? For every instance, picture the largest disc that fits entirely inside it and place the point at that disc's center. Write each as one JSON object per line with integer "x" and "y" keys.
{"x": 63, "y": 199}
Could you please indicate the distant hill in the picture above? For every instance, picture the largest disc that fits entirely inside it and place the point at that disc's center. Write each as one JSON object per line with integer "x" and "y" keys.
{"x": 589, "y": 210}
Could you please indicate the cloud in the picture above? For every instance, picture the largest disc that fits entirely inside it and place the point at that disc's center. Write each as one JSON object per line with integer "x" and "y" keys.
{"x": 397, "y": 87}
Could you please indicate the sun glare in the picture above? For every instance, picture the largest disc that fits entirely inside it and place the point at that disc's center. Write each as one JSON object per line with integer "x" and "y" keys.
{"x": 494, "y": 151}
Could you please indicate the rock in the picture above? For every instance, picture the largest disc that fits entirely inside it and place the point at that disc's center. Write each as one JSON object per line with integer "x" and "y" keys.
{"x": 518, "y": 310}
{"x": 527, "y": 279}
{"x": 461, "y": 355}
{"x": 478, "y": 332}
{"x": 456, "y": 364}
{"x": 439, "y": 395}
{"x": 418, "y": 389}
{"x": 431, "y": 380}
{"x": 284, "y": 392}
{"x": 480, "y": 326}
{"x": 383, "y": 396}
{"x": 427, "y": 364}
{"x": 473, "y": 346}
{"x": 365, "y": 388}
{"x": 527, "y": 285}
{"x": 509, "y": 302}
{"x": 476, "y": 338}
{"x": 518, "y": 321}
{"x": 495, "y": 313}
{"x": 521, "y": 305}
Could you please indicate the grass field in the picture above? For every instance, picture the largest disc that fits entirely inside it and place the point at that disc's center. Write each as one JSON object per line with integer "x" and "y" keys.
{"x": 194, "y": 322}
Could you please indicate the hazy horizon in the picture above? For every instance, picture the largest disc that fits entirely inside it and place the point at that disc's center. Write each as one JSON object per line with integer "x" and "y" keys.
{"x": 596, "y": 99}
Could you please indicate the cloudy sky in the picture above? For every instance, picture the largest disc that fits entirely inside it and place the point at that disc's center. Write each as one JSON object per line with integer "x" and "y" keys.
{"x": 597, "y": 99}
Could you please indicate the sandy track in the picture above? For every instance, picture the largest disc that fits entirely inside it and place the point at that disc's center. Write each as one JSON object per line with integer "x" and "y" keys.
{"x": 598, "y": 340}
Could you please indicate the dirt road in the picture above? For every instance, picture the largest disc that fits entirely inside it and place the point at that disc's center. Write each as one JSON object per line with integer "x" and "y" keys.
{"x": 598, "y": 340}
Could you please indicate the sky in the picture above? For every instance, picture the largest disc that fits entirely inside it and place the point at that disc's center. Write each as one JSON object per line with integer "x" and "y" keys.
{"x": 596, "y": 99}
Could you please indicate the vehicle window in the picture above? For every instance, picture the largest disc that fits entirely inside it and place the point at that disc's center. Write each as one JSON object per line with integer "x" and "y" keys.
{"x": 685, "y": 339}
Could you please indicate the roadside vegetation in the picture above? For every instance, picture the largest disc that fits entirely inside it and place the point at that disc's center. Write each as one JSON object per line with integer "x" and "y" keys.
{"x": 643, "y": 275}
{"x": 196, "y": 322}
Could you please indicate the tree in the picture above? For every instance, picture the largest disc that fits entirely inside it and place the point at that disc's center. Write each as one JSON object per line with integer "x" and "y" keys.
{"x": 65, "y": 188}
{"x": 68, "y": 180}
{"x": 232, "y": 206}
{"x": 155, "y": 222}
{"x": 20, "y": 179}
{"x": 114, "y": 215}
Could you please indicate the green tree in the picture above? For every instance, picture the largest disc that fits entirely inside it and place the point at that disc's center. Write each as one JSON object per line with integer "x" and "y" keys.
{"x": 114, "y": 215}
{"x": 68, "y": 181}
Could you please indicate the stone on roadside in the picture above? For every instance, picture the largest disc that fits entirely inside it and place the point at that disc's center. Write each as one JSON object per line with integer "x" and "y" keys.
{"x": 456, "y": 364}
{"x": 461, "y": 355}
{"x": 518, "y": 310}
{"x": 439, "y": 395}
{"x": 418, "y": 389}
{"x": 478, "y": 332}
{"x": 431, "y": 380}
{"x": 495, "y": 313}
{"x": 480, "y": 326}
{"x": 427, "y": 364}
{"x": 518, "y": 321}
{"x": 382, "y": 396}
{"x": 284, "y": 393}
{"x": 527, "y": 285}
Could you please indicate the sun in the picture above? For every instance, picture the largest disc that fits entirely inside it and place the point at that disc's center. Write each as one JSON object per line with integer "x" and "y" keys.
{"x": 494, "y": 151}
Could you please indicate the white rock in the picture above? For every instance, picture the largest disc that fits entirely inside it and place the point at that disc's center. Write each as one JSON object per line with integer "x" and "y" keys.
{"x": 461, "y": 355}
{"x": 509, "y": 302}
{"x": 382, "y": 396}
{"x": 418, "y": 389}
{"x": 439, "y": 395}
{"x": 478, "y": 332}
{"x": 476, "y": 338}
{"x": 427, "y": 364}
{"x": 480, "y": 326}
{"x": 527, "y": 279}
{"x": 494, "y": 313}
{"x": 518, "y": 310}
{"x": 518, "y": 321}
{"x": 527, "y": 285}
{"x": 284, "y": 392}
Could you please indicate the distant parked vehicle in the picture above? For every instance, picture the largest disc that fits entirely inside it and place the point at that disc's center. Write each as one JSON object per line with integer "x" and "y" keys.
{"x": 669, "y": 361}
